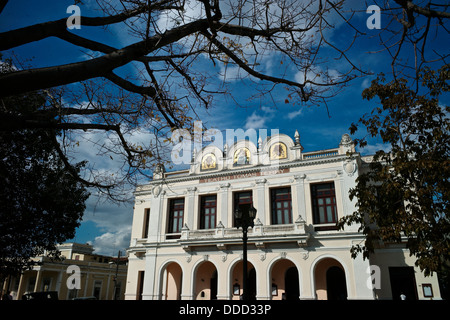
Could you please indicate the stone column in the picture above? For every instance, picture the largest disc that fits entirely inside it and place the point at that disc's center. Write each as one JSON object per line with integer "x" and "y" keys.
{"x": 189, "y": 213}
{"x": 37, "y": 285}
{"x": 361, "y": 276}
{"x": 22, "y": 286}
{"x": 224, "y": 189}
{"x": 300, "y": 196}
{"x": 261, "y": 203}
{"x": 223, "y": 278}
{"x": 150, "y": 274}
{"x": 187, "y": 283}
{"x": 59, "y": 281}
{"x": 156, "y": 204}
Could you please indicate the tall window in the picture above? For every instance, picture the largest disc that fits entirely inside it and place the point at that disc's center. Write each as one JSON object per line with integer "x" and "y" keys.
{"x": 145, "y": 222}
{"x": 323, "y": 203}
{"x": 176, "y": 213}
{"x": 140, "y": 286}
{"x": 97, "y": 289}
{"x": 281, "y": 206}
{"x": 242, "y": 200}
{"x": 208, "y": 212}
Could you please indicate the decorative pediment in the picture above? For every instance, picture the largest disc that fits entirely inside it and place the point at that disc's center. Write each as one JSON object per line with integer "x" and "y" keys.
{"x": 278, "y": 151}
{"x": 208, "y": 159}
{"x": 242, "y": 153}
{"x": 278, "y": 148}
{"x": 241, "y": 157}
{"x": 209, "y": 162}
{"x": 273, "y": 150}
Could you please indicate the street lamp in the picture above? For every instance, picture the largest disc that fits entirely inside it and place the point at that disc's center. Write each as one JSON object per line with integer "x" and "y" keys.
{"x": 244, "y": 216}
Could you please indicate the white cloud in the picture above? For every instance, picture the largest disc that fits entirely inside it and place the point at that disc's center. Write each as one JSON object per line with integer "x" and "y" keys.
{"x": 366, "y": 83}
{"x": 229, "y": 73}
{"x": 114, "y": 222}
{"x": 371, "y": 149}
{"x": 110, "y": 243}
{"x": 294, "y": 114}
{"x": 169, "y": 19}
{"x": 317, "y": 75}
{"x": 258, "y": 121}
{"x": 255, "y": 121}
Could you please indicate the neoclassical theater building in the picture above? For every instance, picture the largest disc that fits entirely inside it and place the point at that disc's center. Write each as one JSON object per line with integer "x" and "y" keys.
{"x": 185, "y": 245}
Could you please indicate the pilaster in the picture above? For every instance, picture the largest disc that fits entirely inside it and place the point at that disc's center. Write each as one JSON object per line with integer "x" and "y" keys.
{"x": 149, "y": 290}
{"x": 189, "y": 212}
{"x": 261, "y": 199}
{"x": 300, "y": 193}
{"x": 155, "y": 219}
{"x": 224, "y": 196}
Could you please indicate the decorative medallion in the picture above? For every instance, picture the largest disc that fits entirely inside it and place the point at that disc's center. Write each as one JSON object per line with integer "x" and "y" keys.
{"x": 209, "y": 162}
{"x": 278, "y": 151}
{"x": 350, "y": 167}
{"x": 156, "y": 191}
{"x": 241, "y": 157}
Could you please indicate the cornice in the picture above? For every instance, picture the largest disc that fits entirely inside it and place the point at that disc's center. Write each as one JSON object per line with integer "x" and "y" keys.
{"x": 252, "y": 169}
{"x": 247, "y": 170}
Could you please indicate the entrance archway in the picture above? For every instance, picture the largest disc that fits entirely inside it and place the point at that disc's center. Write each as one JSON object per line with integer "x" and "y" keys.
{"x": 336, "y": 287}
{"x": 292, "y": 284}
{"x": 205, "y": 282}
{"x": 237, "y": 287}
{"x": 330, "y": 281}
{"x": 172, "y": 278}
{"x": 284, "y": 281}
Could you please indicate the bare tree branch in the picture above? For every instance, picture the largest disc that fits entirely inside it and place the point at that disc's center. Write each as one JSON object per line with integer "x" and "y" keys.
{"x": 28, "y": 80}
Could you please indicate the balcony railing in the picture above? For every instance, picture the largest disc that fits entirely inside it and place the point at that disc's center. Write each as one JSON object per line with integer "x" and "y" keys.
{"x": 259, "y": 234}
{"x": 320, "y": 154}
{"x": 258, "y": 230}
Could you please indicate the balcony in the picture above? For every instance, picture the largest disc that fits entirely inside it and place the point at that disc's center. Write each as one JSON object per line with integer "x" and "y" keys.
{"x": 260, "y": 235}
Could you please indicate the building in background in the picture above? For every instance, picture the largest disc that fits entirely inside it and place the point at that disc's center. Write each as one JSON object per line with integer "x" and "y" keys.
{"x": 185, "y": 245}
{"x": 102, "y": 277}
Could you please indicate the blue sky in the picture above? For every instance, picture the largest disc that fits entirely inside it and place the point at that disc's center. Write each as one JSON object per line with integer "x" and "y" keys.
{"x": 107, "y": 226}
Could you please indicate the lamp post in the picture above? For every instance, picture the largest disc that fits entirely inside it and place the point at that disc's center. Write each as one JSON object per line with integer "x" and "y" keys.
{"x": 244, "y": 216}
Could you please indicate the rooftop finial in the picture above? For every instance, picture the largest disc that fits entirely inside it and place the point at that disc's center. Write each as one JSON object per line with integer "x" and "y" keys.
{"x": 297, "y": 138}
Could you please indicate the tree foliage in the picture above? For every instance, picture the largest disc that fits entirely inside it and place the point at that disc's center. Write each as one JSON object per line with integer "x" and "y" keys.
{"x": 405, "y": 194}
{"x": 41, "y": 204}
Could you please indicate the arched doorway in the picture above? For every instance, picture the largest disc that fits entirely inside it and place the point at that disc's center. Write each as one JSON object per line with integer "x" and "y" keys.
{"x": 284, "y": 281}
{"x": 205, "y": 282}
{"x": 336, "y": 286}
{"x": 292, "y": 284}
{"x": 330, "y": 281}
{"x": 171, "y": 281}
{"x": 237, "y": 286}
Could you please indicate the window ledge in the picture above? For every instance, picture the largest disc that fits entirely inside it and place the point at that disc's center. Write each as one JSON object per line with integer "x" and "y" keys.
{"x": 325, "y": 227}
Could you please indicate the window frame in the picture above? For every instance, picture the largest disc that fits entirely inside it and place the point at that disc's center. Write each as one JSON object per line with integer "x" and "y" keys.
{"x": 172, "y": 218}
{"x": 146, "y": 221}
{"x": 235, "y": 202}
{"x": 203, "y": 214}
{"x": 315, "y": 206}
{"x": 273, "y": 207}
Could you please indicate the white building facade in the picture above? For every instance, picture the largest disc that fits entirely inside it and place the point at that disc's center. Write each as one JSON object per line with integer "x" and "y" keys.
{"x": 184, "y": 244}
